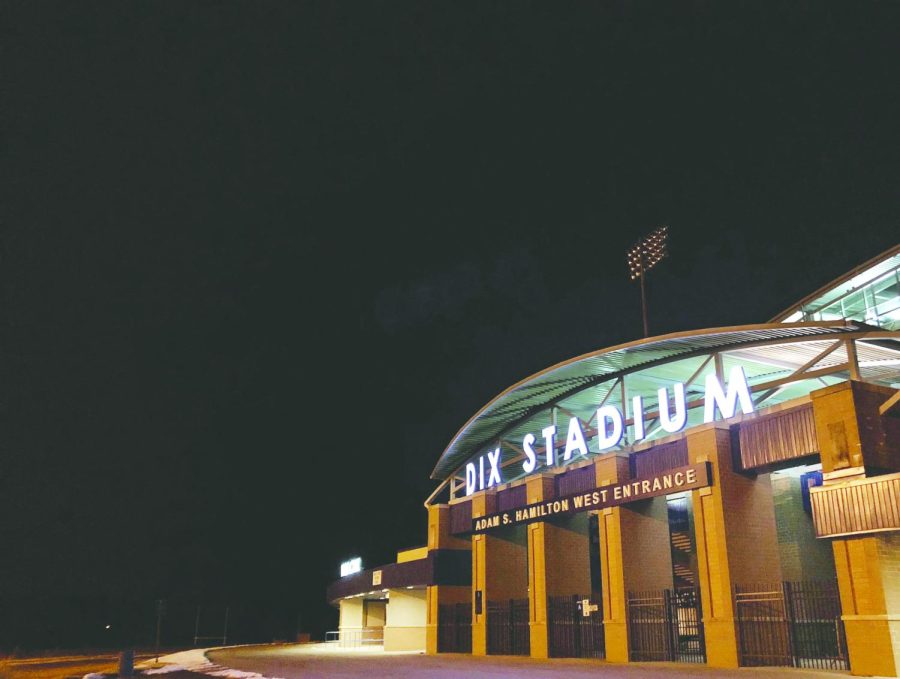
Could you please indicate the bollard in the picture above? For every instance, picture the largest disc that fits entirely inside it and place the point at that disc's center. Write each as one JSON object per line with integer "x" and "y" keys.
{"x": 126, "y": 663}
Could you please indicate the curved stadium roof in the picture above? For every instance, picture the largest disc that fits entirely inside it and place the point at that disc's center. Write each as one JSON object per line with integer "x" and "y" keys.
{"x": 771, "y": 352}
{"x": 868, "y": 293}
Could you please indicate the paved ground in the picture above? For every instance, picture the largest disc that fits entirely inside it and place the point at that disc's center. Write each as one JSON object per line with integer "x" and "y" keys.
{"x": 318, "y": 661}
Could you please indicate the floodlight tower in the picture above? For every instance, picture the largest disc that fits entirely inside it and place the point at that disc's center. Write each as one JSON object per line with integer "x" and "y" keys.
{"x": 643, "y": 256}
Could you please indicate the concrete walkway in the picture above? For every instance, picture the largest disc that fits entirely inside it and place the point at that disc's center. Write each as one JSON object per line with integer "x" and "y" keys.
{"x": 320, "y": 661}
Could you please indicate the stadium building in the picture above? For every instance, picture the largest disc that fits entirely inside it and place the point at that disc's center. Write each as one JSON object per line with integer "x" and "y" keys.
{"x": 728, "y": 496}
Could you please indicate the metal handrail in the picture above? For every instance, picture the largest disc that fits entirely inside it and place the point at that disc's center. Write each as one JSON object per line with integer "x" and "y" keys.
{"x": 353, "y": 638}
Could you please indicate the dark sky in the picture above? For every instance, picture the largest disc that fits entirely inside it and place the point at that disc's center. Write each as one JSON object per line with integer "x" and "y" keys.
{"x": 262, "y": 260}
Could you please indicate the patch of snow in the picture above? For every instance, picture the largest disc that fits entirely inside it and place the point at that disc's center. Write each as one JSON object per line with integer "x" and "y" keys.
{"x": 237, "y": 674}
{"x": 164, "y": 669}
{"x": 188, "y": 659}
{"x": 195, "y": 660}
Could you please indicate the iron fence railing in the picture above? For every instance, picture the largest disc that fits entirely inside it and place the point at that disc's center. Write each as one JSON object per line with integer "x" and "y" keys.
{"x": 573, "y": 631}
{"x": 507, "y": 627}
{"x": 455, "y": 628}
{"x": 666, "y": 625}
{"x": 796, "y": 624}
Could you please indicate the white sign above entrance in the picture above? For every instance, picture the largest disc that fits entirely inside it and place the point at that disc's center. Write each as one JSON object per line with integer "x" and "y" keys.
{"x": 485, "y": 472}
{"x": 351, "y": 566}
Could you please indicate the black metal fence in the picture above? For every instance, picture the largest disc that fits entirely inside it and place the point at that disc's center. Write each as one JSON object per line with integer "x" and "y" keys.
{"x": 574, "y": 632}
{"x": 666, "y": 625}
{"x": 795, "y": 624}
{"x": 507, "y": 627}
{"x": 455, "y": 628}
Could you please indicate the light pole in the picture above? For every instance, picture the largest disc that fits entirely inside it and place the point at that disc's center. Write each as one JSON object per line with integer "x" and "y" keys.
{"x": 160, "y": 612}
{"x": 643, "y": 256}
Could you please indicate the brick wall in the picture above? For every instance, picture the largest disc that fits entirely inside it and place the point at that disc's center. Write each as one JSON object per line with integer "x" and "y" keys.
{"x": 802, "y": 555}
{"x": 506, "y": 570}
{"x": 753, "y": 554}
{"x": 568, "y": 556}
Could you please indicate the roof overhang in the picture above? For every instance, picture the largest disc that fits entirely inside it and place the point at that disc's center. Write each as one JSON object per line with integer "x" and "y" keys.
{"x": 548, "y": 387}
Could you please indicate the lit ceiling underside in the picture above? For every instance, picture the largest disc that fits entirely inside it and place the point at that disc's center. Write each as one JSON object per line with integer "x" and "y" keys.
{"x": 781, "y": 361}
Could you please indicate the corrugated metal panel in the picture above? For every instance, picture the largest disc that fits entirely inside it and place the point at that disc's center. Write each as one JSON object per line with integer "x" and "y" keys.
{"x": 576, "y": 481}
{"x": 659, "y": 459}
{"x": 461, "y": 517}
{"x": 510, "y": 498}
{"x": 781, "y": 436}
{"x": 867, "y": 506}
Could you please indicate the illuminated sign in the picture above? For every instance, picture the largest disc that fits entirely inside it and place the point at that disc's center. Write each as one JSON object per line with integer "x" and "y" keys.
{"x": 670, "y": 481}
{"x": 350, "y": 567}
{"x": 484, "y": 472}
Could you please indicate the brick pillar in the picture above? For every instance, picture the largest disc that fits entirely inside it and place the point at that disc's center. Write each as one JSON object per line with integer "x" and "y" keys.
{"x": 737, "y": 542}
{"x": 611, "y": 469}
{"x": 634, "y": 554}
{"x": 854, "y": 438}
{"x": 482, "y": 504}
{"x": 479, "y": 618}
{"x": 439, "y": 537}
{"x": 539, "y": 489}
{"x": 855, "y": 441}
{"x": 868, "y": 571}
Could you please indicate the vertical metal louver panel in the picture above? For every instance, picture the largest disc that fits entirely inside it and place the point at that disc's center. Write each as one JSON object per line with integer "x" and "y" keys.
{"x": 511, "y": 498}
{"x": 778, "y": 437}
{"x": 576, "y": 481}
{"x": 659, "y": 459}
{"x": 867, "y": 506}
{"x": 461, "y": 517}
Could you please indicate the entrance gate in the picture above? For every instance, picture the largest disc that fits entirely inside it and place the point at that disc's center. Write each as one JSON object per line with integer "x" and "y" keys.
{"x": 572, "y": 633}
{"x": 507, "y": 627}
{"x": 795, "y": 624}
{"x": 666, "y": 625}
{"x": 455, "y": 628}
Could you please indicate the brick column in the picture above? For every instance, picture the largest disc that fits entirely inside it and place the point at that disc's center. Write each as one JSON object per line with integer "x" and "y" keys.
{"x": 539, "y": 489}
{"x": 635, "y": 554}
{"x": 611, "y": 469}
{"x": 868, "y": 570}
{"x": 737, "y": 542}
{"x": 855, "y": 441}
{"x": 439, "y": 537}
{"x": 482, "y": 504}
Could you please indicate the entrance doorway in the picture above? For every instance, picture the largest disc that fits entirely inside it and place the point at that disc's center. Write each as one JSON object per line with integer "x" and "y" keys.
{"x": 666, "y": 624}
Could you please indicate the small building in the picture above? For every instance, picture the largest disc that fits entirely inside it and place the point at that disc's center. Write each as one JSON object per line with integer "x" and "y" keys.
{"x": 728, "y": 496}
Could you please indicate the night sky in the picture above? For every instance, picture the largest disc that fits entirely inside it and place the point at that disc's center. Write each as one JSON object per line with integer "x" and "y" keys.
{"x": 262, "y": 260}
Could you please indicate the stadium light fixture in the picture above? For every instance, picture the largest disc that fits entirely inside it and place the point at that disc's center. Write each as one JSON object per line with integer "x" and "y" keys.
{"x": 643, "y": 256}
